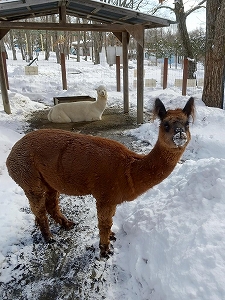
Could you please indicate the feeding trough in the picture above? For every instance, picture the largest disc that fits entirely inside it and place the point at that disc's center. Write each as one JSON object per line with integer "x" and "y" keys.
{"x": 58, "y": 100}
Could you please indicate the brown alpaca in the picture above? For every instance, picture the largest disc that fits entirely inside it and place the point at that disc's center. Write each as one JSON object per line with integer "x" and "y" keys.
{"x": 48, "y": 162}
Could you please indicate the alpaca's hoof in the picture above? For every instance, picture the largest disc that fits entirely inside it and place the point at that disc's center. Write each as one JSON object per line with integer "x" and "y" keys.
{"x": 48, "y": 237}
{"x": 105, "y": 252}
{"x": 50, "y": 240}
{"x": 112, "y": 236}
{"x": 68, "y": 225}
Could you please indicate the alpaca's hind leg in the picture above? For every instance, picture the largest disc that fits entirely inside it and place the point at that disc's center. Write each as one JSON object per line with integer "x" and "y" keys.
{"x": 52, "y": 206}
{"x": 37, "y": 205}
{"x": 105, "y": 215}
{"x": 62, "y": 117}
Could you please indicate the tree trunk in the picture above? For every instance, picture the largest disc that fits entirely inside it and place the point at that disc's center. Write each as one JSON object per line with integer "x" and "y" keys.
{"x": 182, "y": 28}
{"x": 12, "y": 44}
{"x": 47, "y": 45}
{"x": 98, "y": 42}
{"x": 29, "y": 44}
{"x": 78, "y": 46}
{"x": 56, "y": 47}
{"x": 47, "y": 42}
{"x": 55, "y": 41}
{"x": 21, "y": 44}
{"x": 213, "y": 82}
{"x": 213, "y": 91}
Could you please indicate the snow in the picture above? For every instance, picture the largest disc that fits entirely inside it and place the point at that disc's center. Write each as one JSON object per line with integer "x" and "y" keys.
{"x": 170, "y": 241}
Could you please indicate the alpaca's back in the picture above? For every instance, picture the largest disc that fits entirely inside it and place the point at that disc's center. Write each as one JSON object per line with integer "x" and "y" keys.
{"x": 70, "y": 163}
{"x": 73, "y": 112}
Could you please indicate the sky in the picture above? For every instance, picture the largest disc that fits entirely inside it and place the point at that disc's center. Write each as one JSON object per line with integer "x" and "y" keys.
{"x": 170, "y": 241}
{"x": 194, "y": 21}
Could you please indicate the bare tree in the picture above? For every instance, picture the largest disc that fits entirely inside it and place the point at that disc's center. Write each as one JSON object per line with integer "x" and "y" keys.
{"x": 213, "y": 91}
{"x": 21, "y": 42}
{"x": 181, "y": 17}
{"x": 55, "y": 37}
{"x": 11, "y": 38}
{"x": 29, "y": 44}
{"x": 98, "y": 43}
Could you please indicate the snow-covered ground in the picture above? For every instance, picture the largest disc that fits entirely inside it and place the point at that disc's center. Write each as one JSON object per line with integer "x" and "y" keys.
{"x": 170, "y": 241}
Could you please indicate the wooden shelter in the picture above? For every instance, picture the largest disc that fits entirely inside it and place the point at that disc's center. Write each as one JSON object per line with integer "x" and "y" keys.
{"x": 120, "y": 21}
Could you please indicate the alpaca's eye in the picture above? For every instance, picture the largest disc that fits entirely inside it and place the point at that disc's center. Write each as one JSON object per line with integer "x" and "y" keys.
{"x": 166, "y": 126}
{"x": 187, "y": 124}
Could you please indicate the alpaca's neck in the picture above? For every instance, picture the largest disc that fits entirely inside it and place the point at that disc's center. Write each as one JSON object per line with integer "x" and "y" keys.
{"x": 101, "y": 102}
{"x": 153, "y": 168}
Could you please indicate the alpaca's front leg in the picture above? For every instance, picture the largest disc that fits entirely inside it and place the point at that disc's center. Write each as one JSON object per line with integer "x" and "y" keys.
{"x": 105, "y": 215}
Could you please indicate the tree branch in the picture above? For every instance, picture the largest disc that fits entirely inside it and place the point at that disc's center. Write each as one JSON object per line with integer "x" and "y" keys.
{"x": 154, "y": 10}
{"x": 198, "y": 6}
{"x": 139, "y": 4}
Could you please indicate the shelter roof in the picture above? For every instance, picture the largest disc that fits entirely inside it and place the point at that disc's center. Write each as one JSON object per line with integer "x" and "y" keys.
{"x": 86, "y": 9}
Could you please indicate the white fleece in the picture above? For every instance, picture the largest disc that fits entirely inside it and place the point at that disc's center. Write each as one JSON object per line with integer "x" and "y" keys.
{"x": 80, "y": 111}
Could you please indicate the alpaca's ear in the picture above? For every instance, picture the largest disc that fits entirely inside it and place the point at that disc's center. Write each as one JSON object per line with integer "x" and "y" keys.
{"x": 159, "y": 109}
{"x": 189, "y": 108}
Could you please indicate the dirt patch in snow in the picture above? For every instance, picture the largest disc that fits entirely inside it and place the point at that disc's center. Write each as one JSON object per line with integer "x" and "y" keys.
{"x": 114, "y": 122}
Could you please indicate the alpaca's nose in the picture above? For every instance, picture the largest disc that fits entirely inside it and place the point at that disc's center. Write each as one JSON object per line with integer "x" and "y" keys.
{"x": 179, "y": 129}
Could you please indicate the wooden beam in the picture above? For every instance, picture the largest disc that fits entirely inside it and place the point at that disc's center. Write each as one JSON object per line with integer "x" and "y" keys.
{"x": 3, "y": 32}
{"x": 6, "y": 25}
{"x": 118, "y": 35}
{"x": 136, "y": 32}
{"x": 125, "y": 36}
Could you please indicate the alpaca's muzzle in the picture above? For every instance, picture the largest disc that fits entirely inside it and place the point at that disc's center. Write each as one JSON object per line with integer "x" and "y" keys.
{"x": 103, "y": 93}
{"x": 180, "y": 137}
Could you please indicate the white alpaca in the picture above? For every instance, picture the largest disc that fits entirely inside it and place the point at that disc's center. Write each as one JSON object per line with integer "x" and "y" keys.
{"x": 80, "y": 111}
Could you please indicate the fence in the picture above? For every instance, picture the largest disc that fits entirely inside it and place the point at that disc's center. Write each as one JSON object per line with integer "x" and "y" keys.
{"x": 158, "y": 76}
{"x": 166, "y": 75}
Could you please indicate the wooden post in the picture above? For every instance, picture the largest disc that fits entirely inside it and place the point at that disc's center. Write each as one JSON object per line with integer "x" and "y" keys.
{"x": 140, "y": 80}
{"x": 125, "y": 37}
{"x": 185, "y": 77}
{"x": 118, "y": 73}
{"x": 165, "y": 73}
{"x": 63, "y": 70}
{"x": 5, "y": 68}
{"x": 140, "y": 83}
{"x": 62, "y": 14}
{"x": 5, "y": 97}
